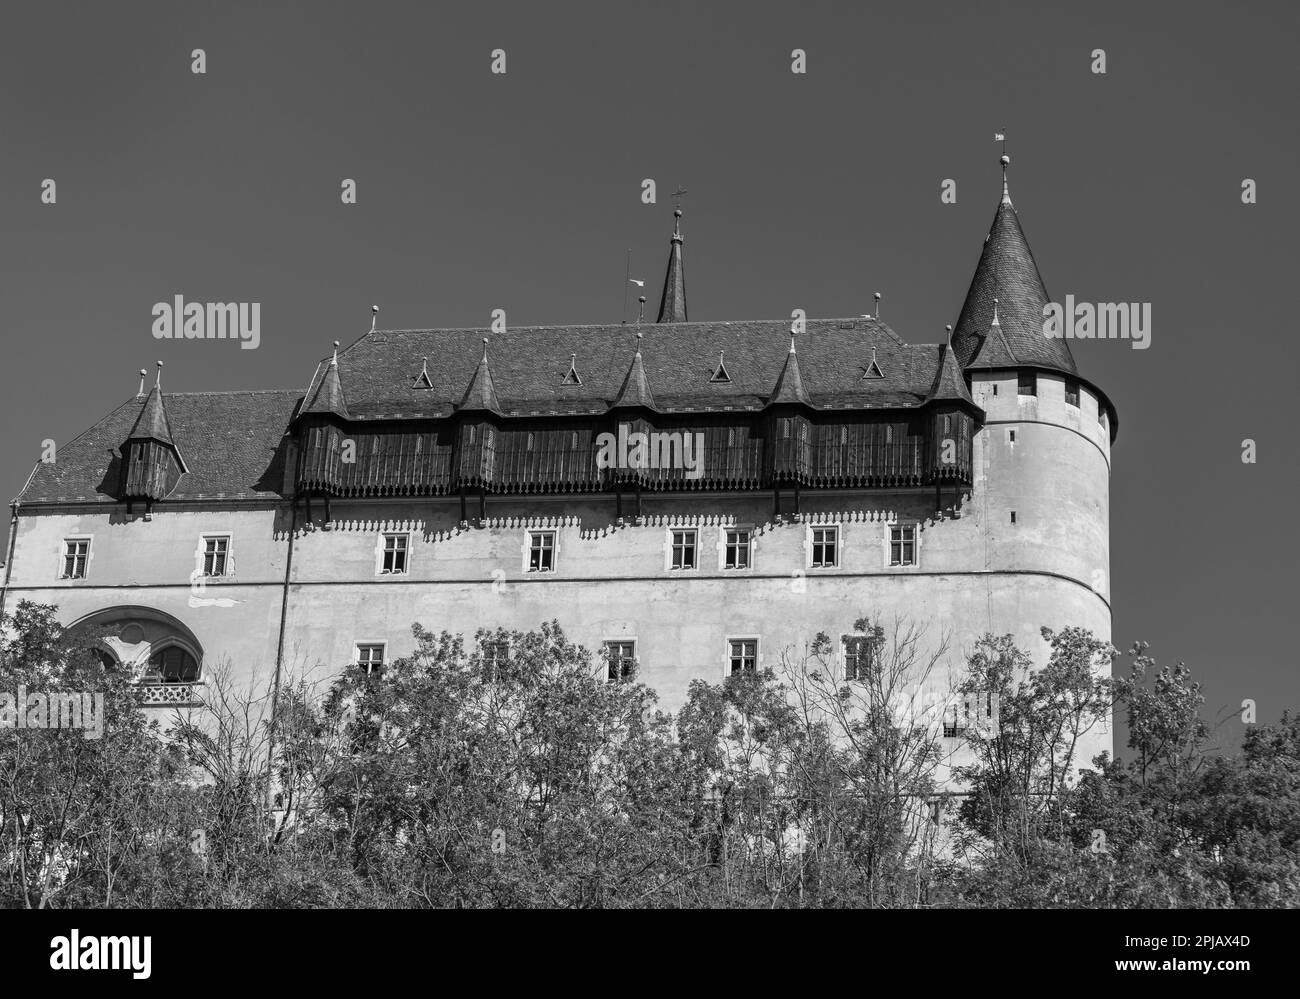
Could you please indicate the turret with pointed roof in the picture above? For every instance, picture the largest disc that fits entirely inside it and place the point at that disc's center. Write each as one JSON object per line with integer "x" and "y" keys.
{"x": 1007, "y": 275}
{"x": 151, "y": 461}
{"x": 328, "y": 395}
{"x": 672, "y": 306}
{"x": 635, "y": 391}
{"x": 481, "y": 396}
{"x": 789, "y": 383}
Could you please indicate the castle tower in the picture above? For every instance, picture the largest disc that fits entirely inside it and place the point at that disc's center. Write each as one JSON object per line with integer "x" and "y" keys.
{"x": 1042, "y": 461}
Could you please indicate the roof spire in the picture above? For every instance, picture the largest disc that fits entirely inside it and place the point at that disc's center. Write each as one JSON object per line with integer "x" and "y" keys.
{"x": 672, "y": 306}
{"x": 482, "y": 393}
{"x": 328, "y": 396}
{"x": 635, "y": 390}
{"x": 789, "y": 383}
{"x": 641, "y": 315}
{"x": 1006, "y": 193}
{"x": 139, "y": 393}
{"x": 877, "y": 297}
{"x": 995, "y": 313}
{"x": 157, "y": 382}
{"x": 374, "y": 317}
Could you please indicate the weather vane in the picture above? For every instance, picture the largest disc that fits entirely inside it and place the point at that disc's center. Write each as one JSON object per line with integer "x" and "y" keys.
{"x": 677, "y": 197}
{"x": 1002, "y": 138}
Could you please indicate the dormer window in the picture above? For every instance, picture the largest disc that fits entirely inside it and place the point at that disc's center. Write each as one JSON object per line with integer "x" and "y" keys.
{"x": 720, "y": 372}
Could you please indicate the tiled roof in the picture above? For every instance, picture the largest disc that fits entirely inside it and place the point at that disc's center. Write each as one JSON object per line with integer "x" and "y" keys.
{"x": 1008, "y": 273}
{"x": 327, "y": 397}
{"x": 234, "y": 442}
{"x": 378, "y": 371}
{"x": 949, "y": 384}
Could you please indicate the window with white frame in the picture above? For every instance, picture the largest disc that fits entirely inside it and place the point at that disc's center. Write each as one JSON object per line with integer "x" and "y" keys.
{"x": 902, "y": 544}
{"x": 370, "y": 657}
{"x": 393, "y": 555}
{"x": 825, "y": 547}
{"x": 621, "y": 659}
{"x": 684, "y": 545}
{"x": 541, "y": 551}
{"x": 76, "y": 556}
{"x": 216, "y": 555}
{"x": 737, "y": 549}
{"x": 742, "y": 654}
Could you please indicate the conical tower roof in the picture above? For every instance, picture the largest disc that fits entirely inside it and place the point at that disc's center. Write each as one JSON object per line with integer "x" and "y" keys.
{"x": 1007, "y": 272}
{"x": 949, "y": 384}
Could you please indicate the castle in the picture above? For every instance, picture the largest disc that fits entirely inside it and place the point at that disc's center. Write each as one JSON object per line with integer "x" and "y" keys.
{"x": 762, "y": 486}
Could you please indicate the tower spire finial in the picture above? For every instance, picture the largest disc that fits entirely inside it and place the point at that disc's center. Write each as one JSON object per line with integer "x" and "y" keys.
{"x": 374, "y": 317}
{"x": 140, "y": 391}
{"x": 158, "y": 379}
{"x": 995, "y": 312}
{"x": 641, "y": 315}
{"x": 485, "y": 347}
{"x": 335, "y": 361}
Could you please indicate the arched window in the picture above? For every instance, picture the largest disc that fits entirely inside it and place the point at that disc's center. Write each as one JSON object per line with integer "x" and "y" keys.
{"x": 172, "y": 664}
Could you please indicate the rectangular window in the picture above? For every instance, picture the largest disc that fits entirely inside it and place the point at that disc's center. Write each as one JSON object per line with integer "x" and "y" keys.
{"x": 743, "y": 653}
{"x": 1027, "y": 383}
{"x": 737, "y": 554}
{"x": 495, "y": 654}
{"x": 861, "y": 654}
{"x": 1071, "y": 392}
{"x": 370, "y": 658}
{"x": 621, "y": 657}
{"x": 216, "y": 553}
{"x": 541, "y": 551}
{"x": 394, "y": 553}
{"x": 683, "y": 550}
{"x": 955, "y": 720}
{"x": 75, "y": 554}
{"x": 825, "y": 547}
{"x": 902, "y": 544}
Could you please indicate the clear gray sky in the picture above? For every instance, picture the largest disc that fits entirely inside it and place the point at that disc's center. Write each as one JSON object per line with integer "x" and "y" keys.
{"x": 522, "y": 191}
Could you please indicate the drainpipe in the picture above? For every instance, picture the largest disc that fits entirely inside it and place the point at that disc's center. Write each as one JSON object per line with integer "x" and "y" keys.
{"x": 279, "y": 652}
{"x": 9, "y": 553}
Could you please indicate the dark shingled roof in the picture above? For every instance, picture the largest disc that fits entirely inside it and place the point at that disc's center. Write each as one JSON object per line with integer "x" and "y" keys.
{"x": 1008, "y": 273}
{"x": 152, "y": 421}
{"x": 636, "y": 388}
{"x": 529, "y": 364}
{"x": 672, "y": 306}
{"x": 949, "y": 384}
{"x": 328, "y": 396}
{"x": 789, "y": 384}
{"x": 481, "y": 394}
{"x": 235, "y": 441}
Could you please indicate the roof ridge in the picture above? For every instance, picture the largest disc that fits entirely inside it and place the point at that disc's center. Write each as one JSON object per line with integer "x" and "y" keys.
{"x": 782, "y": 321}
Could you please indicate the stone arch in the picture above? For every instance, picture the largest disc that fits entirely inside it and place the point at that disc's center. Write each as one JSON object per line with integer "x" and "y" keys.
{"x": 140, "y": 638}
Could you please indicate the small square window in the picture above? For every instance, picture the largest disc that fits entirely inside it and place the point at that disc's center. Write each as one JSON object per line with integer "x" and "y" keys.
{"x": 825, "y": 547}
{"x": 743, "y": 653}
{"x": 1013, "y": 516}
{"x": 370, "y": 658}
{"x": 737, "y": 550}
{"x": 495, "y": 654}
{"x": 76, "y": 552}
{"x": 683, "y": 550}
{"x": 395, "y": 551}
{"x": 1027, "y": 383}
{"x": 541, "y": 551}
{"x": 621, "y": 660}
{"x": 995, "y": 389}
{"x": 1011, "y": 436}
{"x": 1071, "y": 392}
{"x": 902, "y": 544}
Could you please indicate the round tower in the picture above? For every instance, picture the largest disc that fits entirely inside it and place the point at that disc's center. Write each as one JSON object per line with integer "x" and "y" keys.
{"x": 1042, "y": 458}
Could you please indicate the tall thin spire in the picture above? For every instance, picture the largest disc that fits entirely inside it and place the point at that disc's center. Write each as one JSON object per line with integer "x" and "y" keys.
{"x": 672, "y": 306}
{"x": 1006, "y": 191}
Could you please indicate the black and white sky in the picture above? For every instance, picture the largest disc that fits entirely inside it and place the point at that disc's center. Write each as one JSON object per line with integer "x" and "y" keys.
{"x": 522, "y": 191}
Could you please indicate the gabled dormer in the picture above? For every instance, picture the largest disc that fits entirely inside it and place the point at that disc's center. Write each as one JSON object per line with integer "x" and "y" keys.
{"x": 321, "y": 432}
{"x": 478, "y": 411}
{"x": 788, "y": 425}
